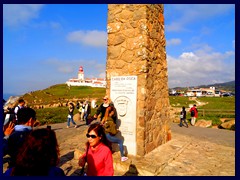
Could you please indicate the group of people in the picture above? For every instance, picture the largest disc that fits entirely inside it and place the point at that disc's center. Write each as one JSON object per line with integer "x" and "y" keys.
{"x": 35, "y": 152}
{"x": 194, "y": 114}
{"x": 108, "y": 115}
{"x": 32, "y": 152}
{"x": 98, "y": 153}
{"x": 84, "y": 110}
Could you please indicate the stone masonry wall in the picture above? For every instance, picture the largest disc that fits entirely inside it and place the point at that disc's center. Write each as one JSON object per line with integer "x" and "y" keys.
{"x": 136, "y": 46}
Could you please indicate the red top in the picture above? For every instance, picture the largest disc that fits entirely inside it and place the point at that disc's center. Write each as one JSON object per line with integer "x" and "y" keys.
{"x": 195, "y": 110}
{"x": 80, "y": 69}
{"x": 100, "y": 162}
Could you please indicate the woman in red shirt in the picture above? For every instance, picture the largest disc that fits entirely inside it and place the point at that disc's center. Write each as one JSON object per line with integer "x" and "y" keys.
{"x": 99, "y": 156}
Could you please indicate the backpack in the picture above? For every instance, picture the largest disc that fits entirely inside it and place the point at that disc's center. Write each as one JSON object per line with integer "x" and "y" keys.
{"x": 110, "y": 126}
{"x": 192, "y": 113}
{"x": 78, "y": 106}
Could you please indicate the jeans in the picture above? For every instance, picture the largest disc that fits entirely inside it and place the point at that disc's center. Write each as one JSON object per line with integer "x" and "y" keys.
{"x": 70, "y": 119}
{"x": 114, "y": 139}
{"x": 85, "y": 117}
{"x": 183, "y": 120}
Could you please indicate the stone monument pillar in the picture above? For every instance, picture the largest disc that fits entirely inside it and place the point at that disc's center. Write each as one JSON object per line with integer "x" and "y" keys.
{"x": 136, "y": 72}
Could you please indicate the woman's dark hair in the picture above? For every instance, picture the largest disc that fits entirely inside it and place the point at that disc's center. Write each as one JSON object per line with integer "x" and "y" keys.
{"x": 99, "y": 130}
{"x": 39, "y": 152}
{"x": 72, "y": 104}
{"x": 109, "y": 109}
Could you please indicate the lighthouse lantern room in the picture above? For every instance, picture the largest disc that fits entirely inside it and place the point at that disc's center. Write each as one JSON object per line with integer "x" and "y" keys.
{"x": 80, "y": 73}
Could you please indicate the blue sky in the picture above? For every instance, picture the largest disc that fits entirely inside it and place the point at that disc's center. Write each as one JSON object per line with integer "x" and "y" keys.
{"x": 44, "y": 45}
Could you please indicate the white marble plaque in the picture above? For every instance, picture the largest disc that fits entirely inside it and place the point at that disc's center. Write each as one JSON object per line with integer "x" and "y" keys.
{"x": 123, "y": 92}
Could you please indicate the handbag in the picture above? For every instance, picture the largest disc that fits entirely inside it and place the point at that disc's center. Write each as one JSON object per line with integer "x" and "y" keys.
{"x": 82, "y": 170}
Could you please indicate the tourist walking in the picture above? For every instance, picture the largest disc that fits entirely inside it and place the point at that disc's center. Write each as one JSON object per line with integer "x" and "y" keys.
{"x": 38, "y": 156}
{"x": 194, "y": 114}
{"x": 98, "y": 155}
{"x": 82, "y": 110}
{"x": 70, "y": 115}
{"x": 111, "y": 131}
{"x": 183, "y": 117}
{"x": 87, "y": 111}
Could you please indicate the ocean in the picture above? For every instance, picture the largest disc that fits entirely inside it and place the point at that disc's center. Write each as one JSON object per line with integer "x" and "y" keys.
{"x": 6, "y": 96}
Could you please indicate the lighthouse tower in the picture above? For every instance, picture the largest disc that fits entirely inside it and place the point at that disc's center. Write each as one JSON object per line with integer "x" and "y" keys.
{"x": 80, "y": 74}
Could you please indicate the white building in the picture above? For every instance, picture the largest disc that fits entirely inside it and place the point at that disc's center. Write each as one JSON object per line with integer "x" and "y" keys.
{"x": 211, "y": 91}
{"x": 194, "y": 92}
{"x": 80, "y": 81}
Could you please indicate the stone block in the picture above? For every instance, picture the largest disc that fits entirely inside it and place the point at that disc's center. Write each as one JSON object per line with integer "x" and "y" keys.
{"x": 228, "y": 124}
{"x": 203, "y": 123}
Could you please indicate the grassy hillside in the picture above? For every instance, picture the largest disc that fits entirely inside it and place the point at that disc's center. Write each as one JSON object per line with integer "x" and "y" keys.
{"x": 62, "y": 93}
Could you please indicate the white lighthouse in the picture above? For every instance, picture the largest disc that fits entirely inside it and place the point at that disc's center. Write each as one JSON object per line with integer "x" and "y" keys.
{"x": 80, "y": 74}
{"x": 80, "y": 81}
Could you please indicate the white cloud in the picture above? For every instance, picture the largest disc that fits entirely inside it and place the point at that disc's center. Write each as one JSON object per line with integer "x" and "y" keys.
{"x": 20, "y": 14}
{"x": 190, "y": 13}
{"x": 55, "y": 25}
{"x": 70, "y": 67}
{"x": 102, "y": 75}
{"x": 91, "y": 38}
{"x": 205, "y": 31}
{"x": 175, "y": 27}
{"x": 174, "y": 41}
{"x": 200, "y": 67}
{"x": 61, "y": 66}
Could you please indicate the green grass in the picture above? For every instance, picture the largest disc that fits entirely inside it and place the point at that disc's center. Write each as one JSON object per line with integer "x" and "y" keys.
{"x": 214, "y": 109}
{"x": 219, "y": 103}
{"x": 179, "y": 101}
{"x": 52, "y": 115}
{"x": 62, "y": 93}
{"x": 55, "y": 115}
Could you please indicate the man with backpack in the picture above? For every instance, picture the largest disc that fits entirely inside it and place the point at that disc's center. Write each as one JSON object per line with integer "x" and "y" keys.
{"x": 194, "y": 114}
{"x": 11, "y": 114}
{"x": 21, "y": 104}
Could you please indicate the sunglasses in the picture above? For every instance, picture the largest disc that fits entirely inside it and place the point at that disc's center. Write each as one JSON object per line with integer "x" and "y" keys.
{"x": 92, "y": 136}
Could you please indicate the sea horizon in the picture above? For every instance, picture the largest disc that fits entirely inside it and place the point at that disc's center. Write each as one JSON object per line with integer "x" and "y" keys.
{"x": 6, "y": 96}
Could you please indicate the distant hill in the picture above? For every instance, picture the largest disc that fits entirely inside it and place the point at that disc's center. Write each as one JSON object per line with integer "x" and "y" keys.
{"x": 61, "y": 93}
{"x": 227, "y": 86}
